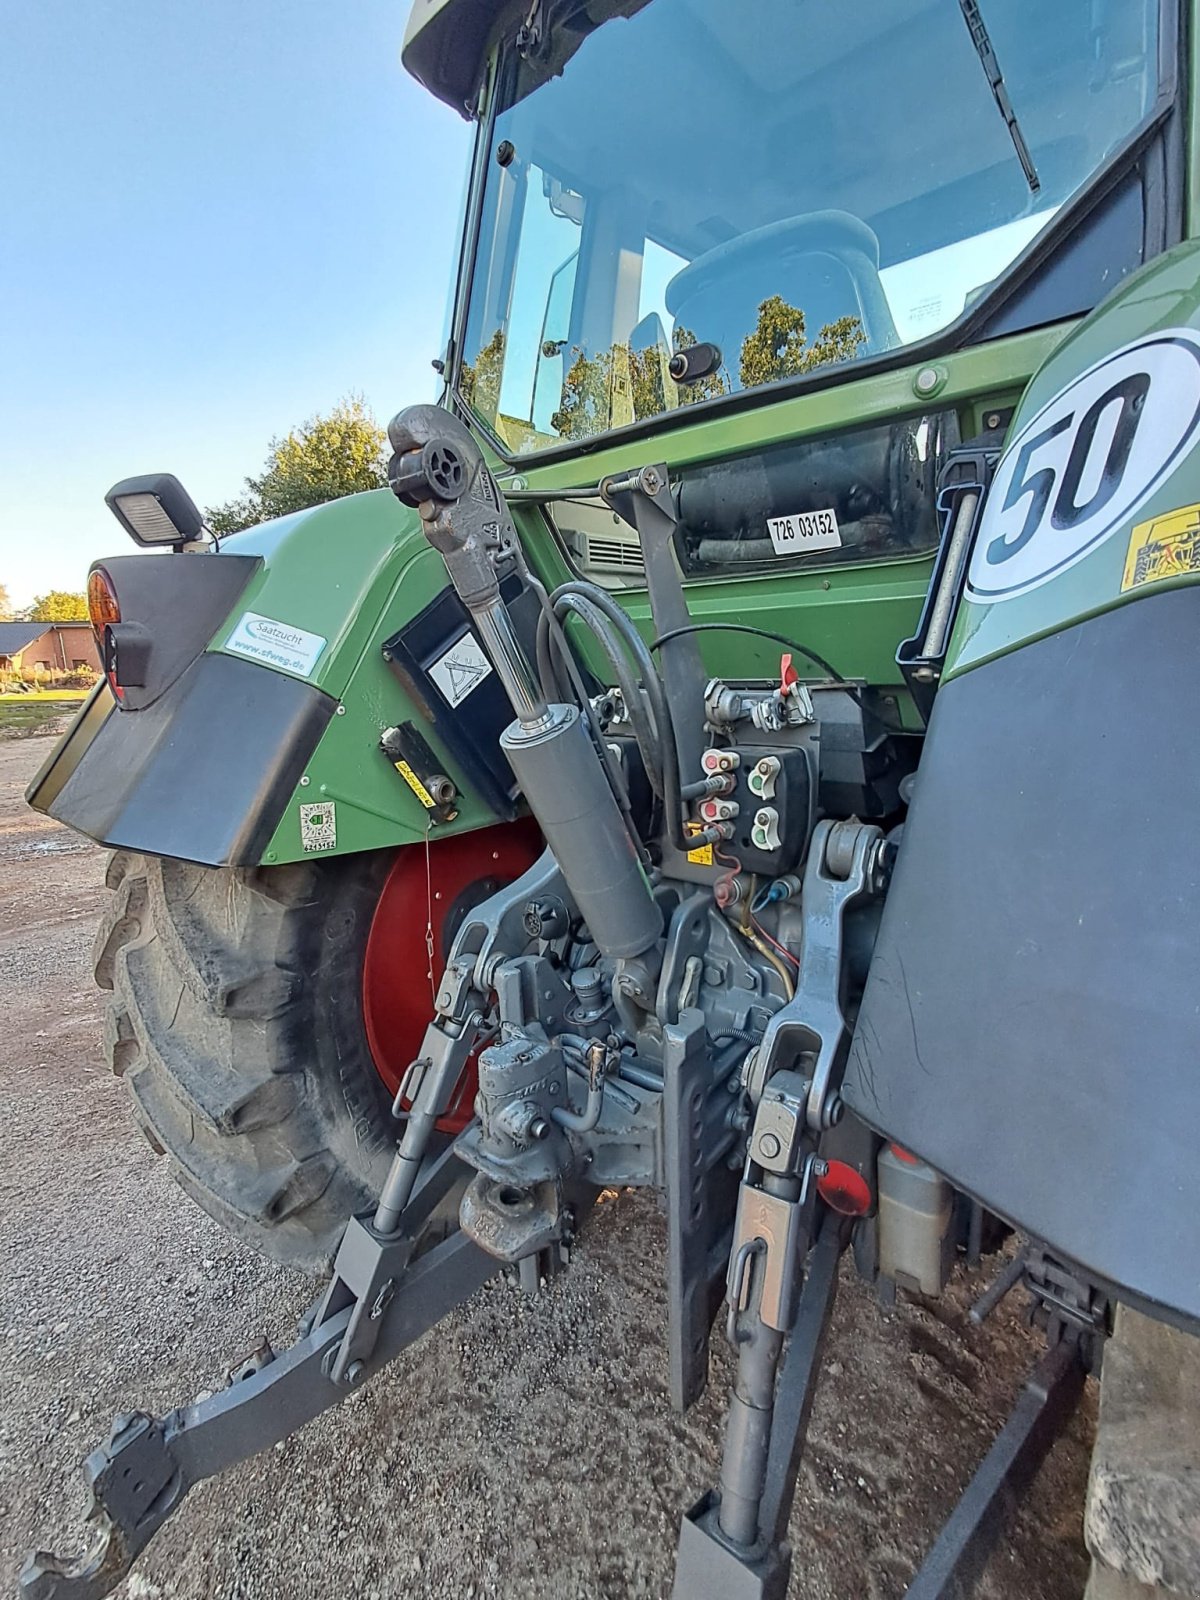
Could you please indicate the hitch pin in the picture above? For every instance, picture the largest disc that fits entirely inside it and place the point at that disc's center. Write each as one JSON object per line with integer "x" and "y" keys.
{"x": 737, "y": 1286}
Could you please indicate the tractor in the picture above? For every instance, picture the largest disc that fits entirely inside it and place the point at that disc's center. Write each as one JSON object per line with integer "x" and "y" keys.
{"x": 739, "y": 754}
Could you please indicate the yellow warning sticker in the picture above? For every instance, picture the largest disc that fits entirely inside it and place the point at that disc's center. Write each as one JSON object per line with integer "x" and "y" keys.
{"x": 415, "y": 784}
{"x": 702, "y": 856}
{"x": 1165, "y": 547}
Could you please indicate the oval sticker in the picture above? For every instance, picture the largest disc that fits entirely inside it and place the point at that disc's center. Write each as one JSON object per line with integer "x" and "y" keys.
{"x": 1074, "y": 474}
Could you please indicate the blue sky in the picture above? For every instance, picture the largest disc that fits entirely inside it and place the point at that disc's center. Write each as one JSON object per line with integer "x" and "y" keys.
{"x": 218, "y": 219}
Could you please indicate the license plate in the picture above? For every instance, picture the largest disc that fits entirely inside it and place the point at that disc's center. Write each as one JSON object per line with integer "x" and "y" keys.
{"x": 804, "y": 531}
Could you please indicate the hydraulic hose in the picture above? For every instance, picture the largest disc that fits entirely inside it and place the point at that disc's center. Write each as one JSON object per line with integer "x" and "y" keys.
{"x": 655, "y": 693}
{"x": 648, "y": 736}
{"x": 550, "y": 635}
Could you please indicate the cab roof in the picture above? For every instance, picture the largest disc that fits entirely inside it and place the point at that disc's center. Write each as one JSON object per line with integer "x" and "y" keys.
{"x": 446, "y": 44}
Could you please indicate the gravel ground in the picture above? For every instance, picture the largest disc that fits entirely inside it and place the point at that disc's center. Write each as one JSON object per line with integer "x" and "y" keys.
{"x": 523, "y": 1449}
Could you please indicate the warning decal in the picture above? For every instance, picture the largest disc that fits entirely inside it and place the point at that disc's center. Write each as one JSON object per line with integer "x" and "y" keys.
{"x": 415, "y": 784}
{"x": 702, "y": 855}
{"x": 1165, "y": 547}
{"x": 463, "y": 668}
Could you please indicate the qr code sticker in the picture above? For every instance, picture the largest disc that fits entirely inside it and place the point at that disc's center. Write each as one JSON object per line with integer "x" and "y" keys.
{"x": 318, "y": 826}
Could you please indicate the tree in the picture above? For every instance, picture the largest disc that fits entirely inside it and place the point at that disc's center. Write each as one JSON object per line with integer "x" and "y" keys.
{"x": 779, "y": 348}
{"x": 59, "y": 605}
{"x": 593, "y": 388}
{"x": 6, "y": 610}
{"x": 586, "y": 396}
{"x": 340, "y": 453}
{"x": 479, "y": 381}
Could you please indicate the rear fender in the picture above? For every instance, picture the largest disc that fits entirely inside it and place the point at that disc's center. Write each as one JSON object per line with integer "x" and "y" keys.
{"x": 263, "y": 745}
{"x": 1031, "y": 1024}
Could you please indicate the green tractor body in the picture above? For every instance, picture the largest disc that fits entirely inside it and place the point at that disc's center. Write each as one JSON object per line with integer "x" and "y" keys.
{"x": 918, "y": 343}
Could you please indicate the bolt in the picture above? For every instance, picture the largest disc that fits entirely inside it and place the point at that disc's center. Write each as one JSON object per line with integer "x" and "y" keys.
{"x": 305, "y": 781}
{"x": 341, "y": 711}
{"x": 539, "y": 1128}
{"x": 651, "y": 482}
{"x": 927, "y": 380}
{"x": 355, "y": 1372}
{"x": 769, "y": 1146}
{"x": 820, "y": 1167}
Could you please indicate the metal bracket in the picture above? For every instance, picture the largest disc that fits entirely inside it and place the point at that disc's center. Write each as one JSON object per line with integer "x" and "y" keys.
{"x": 842, "y": 866}
{"x": 690, "y": 1222}
{"x": 687, "y": 939}
{"x": 369, "y": 1265}
{"x": 775, "y": 1227}
{"x": 645, "y": 501}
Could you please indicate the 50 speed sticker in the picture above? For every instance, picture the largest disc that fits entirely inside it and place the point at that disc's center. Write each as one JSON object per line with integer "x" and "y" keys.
{"x": 1074, "y": 474}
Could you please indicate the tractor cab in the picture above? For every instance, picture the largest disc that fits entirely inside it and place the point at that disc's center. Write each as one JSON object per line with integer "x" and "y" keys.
{"x": 680, "y": 203}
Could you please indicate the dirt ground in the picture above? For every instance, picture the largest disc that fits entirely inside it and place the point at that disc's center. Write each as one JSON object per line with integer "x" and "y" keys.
{"x": 524, "y": 1449}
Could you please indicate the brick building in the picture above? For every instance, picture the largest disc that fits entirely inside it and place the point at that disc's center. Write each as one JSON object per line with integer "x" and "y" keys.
{"x": 37, "y": 648}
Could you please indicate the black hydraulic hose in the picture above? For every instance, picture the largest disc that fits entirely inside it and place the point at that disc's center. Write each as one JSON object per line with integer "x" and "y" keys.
{"x": 550, "y": 643}
{"x": 554, "y": 633}
{"x": 649, "y": 738}
{"x": 655, "y": 692}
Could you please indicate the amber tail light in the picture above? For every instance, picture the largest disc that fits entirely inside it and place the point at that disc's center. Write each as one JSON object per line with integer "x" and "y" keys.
{"x": 104, "y": 609}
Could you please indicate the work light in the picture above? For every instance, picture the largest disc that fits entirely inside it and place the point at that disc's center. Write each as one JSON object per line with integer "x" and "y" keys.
{"x": 155, "y": 510}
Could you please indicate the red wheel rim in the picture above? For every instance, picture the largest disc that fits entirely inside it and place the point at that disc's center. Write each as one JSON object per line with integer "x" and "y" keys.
{"x": 397, "y": 1002}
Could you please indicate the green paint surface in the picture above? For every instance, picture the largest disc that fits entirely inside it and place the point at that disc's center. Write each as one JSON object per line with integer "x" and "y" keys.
{"x": 354, "y": 571}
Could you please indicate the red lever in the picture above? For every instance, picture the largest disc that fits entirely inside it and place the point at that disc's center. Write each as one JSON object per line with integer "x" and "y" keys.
{"x": 787, "y": 673}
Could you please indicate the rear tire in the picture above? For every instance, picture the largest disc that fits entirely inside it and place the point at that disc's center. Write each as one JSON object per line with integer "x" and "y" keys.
{"x": 235, "y": 1017}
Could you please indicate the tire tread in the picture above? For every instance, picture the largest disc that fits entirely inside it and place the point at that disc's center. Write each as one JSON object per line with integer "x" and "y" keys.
{"x": 207, "y": 1016}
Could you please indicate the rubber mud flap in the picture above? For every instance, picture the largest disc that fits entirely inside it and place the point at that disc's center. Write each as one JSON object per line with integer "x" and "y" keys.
{"x": 1031, "y": 1023}
{"x": 203, "y": 774}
